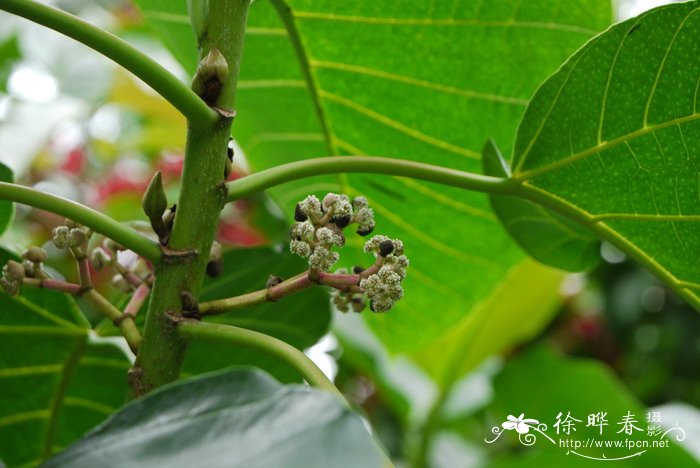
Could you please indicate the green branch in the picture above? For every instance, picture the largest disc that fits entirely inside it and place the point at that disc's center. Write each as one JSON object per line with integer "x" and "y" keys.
{"x": 193, "y": 330}
{"x": 95, "y": 220}
{"x": 263, "y": 180}
{"x": 202, "y": 195}
{"x": 163, "y": 82}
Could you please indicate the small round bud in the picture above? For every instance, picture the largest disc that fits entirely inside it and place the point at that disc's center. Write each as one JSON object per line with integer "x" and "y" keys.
{"x": 359, "y": 203}
{"x": 329, "y": 200}
{"x": 14, "y": 270}
{"x": 303, "y": 231}
{"x": 30, "y": 268}
{"x": 299, "y": 214}
{"x": 300, "y": 248}
{"x": 214, "y": 268}
{"x": 35, "y": 254}
{"x": 340, "y": 301}
{"x": 59, "y": 237}
{"x": 99, "y": 258}
{"x": 322, "y": 259}
{"x": 189, "y": 303}
{"x": 357, "y": 269}
{"x": 70, "y": 224}
{"x": 76, "y": 237}
{"x": 386, "y": 247}
{"x": 328, "y": 237}
{"x": 358, "y": 303}
{"x": 273, "y": 281}
{"x": 364, "y": 231}
{"x": 10, "y": 287}
{"x": 341, "y": 221}
{"x": 311, "y": 207}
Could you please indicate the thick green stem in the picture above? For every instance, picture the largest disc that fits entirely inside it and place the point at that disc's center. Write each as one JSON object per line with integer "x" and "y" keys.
{"x": 202, "y": 196}
{"x": 95, "y": 220}
{"x": 138, "y": 63}
{"x": 263, "y": 180}
{"x": 193, "y": 330}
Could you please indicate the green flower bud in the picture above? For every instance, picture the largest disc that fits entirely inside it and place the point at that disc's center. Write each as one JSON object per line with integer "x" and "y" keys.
{"x": 29, "y": 268}
{"x": 59, "y": 236}
{"x": 35, "y": 254}
{"x": 358, "y": 302}
{"x": 76, "y": 237}
{"x": 154, "y": 201}
{"x": 210, "y": 76}
{"x": 99, "y": 258}
{"x": 273, "y": 281}
{"x": 14, "y": 270}
{"x": 10, "y": 287}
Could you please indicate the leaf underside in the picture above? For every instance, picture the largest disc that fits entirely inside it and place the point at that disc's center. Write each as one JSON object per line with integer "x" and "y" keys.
{"x": 233, "y": 418}
{"x": 56, "y": 382}
{"x": 615, "y": 134}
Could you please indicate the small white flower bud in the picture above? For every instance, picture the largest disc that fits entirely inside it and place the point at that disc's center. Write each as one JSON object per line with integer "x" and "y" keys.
{"x": 76, "y": 237}
{"x": 59, "y": 237}
{"x": 29, "y": 268}
{"x": 300, "y": 248}
{"x": 99, "y": 258}
{"x": 303, "y": 231}
{"x": 329, "y": 200}
{"x": 14, "y": 271}
{"x": 35, "y": 254}
{"x": 327, "y": 237}
{"x": 364, "y": 217}
{"x": 359, "y": 202}
{"x": 10, "y": 287}
{"x": 381, "y": 304}
{"x": 340, "y": 300}
{"x": 322, "y": 259}
{"x": 311, "y": 207}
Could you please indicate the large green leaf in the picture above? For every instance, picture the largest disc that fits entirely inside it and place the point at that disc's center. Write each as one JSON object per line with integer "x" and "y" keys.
{"x": 56, "y": 381}
{"x": 613, "y": 138}
{"x": 541, "y": 384}
{"x": 544, "y": 234}
{"x": 514, "y": 314}
{"x": 428, "y": 81}
{"x": 300, "y": 320}
{"x": 234, "y": 418}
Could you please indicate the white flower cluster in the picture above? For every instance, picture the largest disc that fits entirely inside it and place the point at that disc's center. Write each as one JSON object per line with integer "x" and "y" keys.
{"x": 319, "y": 226}
{"x": 384, "y": 287}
